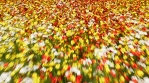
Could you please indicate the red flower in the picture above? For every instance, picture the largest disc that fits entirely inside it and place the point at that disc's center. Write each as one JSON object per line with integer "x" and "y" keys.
{"x": 55, "y": 23}
{"x": 41, "y": 74}
{"x": 59, "y": 79}
{"x": 64, "y": 37}
{"x": 68, "y": 67}
{"x": 107, "y": 79}
{"x": 134, "y": 65}
{"x": 144, "y": 29}
{"x": 134, "y": 81}
{"x": 50, "y": 75}
{"x": 45, "y": 58}
{"x": 71, "y": 26}
{"x": 78, "y": 79}
{"x": 127, "y": 78}
{"x": 54, "y": 79}
{"x": 57, "y": 46}
{"x": 81, "y": 31}
{"x": 113, "y": 73}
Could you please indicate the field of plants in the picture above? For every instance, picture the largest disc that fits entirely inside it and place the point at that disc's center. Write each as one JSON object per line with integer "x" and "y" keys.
{"x": 74, "y": 41}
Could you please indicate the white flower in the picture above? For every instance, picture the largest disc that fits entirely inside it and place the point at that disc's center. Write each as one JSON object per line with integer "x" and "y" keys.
{"x": 134, "y": 21}
{"x": 67, "y": 73}
{"x": 142, "y": 33}
{"x": 57, "y": 60}
{"x": 7, "y": 79}
{"x": 43, "y": 69}
{"x": 27, "y": 80}
{"x": 33, "y": 41}
{"x": 75, "y": 70}
{"x": 87, "y": 61}
{"x": 112, "y": 49}
{"x": 25, "y": 39}
{"x": 100, "y": 52}
{"x": 141, "y": 42}
{"x": 35, "y": 67}
{"x": 138, "y": 35}
{"x": 56, "y": 53}
{"x": 69, "y": 82}
{"x": 146, "y": 80}
{"x": 109, "y": 63}
{"x": 1, "y": 79}
{"x": 131, "y": 82}
{"x": 130, "y": 46}
{"x": 57, "y": 34}
{"x": 53, "y": 50}
{"x": 32, "y": 36}
{"x": 50, "y": 26}
{"x": 45, "y": 36}
{"x": 41, "y": 44}
{"x": 4, "y": 75}
{"x": 23, "y": 70}
{"x": 18, "y": 66}
{"x": 147, "y": 42}
{"x": 121, "y": 42}
{"x": 142, "y": 64}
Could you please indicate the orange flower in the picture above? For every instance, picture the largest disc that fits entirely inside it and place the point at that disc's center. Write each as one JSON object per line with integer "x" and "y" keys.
{"x": 6, "y": 64}
{"x": 19, "y": 80}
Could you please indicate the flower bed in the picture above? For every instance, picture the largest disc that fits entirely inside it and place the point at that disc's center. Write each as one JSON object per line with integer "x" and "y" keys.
{"x": 57, "y": 41}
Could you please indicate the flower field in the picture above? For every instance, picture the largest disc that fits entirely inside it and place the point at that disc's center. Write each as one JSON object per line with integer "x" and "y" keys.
{"x": 74, "y": 41}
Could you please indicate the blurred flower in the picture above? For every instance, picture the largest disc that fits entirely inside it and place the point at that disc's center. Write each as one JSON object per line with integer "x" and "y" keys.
{"x": 27, "y": 80}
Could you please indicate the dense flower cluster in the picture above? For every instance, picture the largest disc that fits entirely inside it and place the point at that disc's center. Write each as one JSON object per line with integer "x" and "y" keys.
{"x": 74, "y": 41}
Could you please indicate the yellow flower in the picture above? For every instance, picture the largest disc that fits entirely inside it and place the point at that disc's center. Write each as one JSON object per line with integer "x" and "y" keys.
{"x": 117, "y": 66}
{"x": 147, "y": 52}
{"x": 69, "y": 33}
{"x": 3, "y": 23}
{"x": 50, "y": 69}
{"x": 116, "y": 58}
{"x": 96, "y": 37}
{"x": 72, "y": 78}
{"x": 51, "y": 63}
{"x": 57, "y": 66}
{"x": 7, "y": 56}
{"x": 35, "y": 76}
{"x": 74, "y": 64}
{"x": 143, "y": 47}
{"x": 140, "y": 73}
{"x": 65, "y": 67}
{"x": 56, "y": 29}
{"x": 74, "y": 56}
{"x": 31, "y": 64}
{"x": 31, "y": 56}
{"x": 147, "y": 69}
{"x": 13, "y": 73}
{"x": 125, "y": 57}
{"x": 106, "y": 68}
{"x": 122, "y": 78}
{"x": 90, "y": 75}
{"x": 72, "y": 42}
{"x": 5, "y": 37}
{"x": 19, "y": 55}
{"x": 101, "y": 80}
{"x": 123, "y": 50}
{"x": 58, "y": 73}
{"x": 11, "y": 64}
